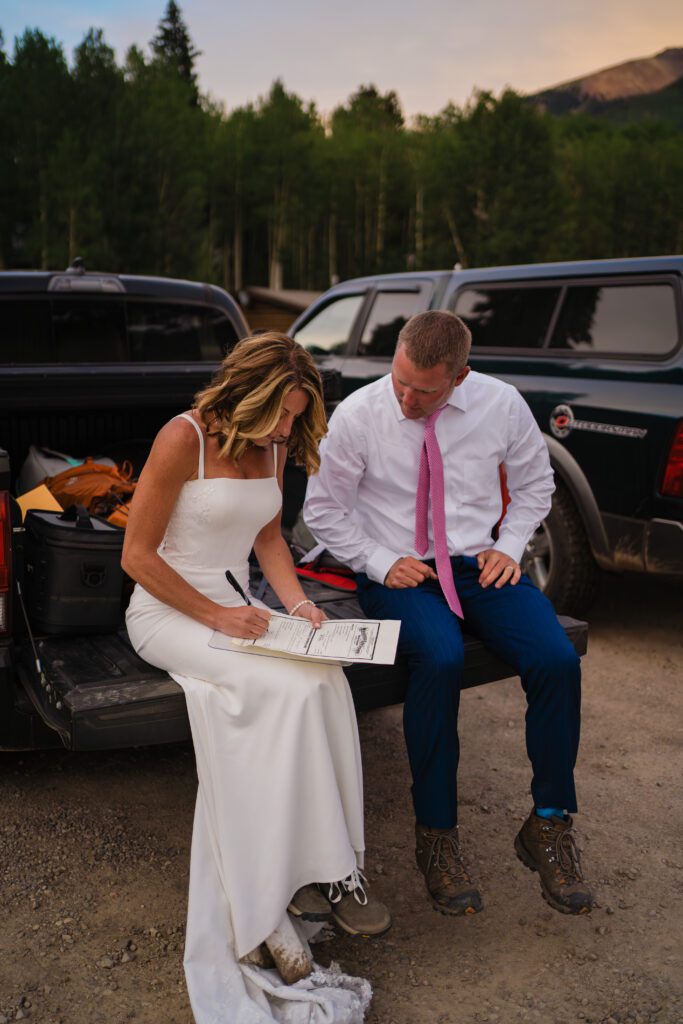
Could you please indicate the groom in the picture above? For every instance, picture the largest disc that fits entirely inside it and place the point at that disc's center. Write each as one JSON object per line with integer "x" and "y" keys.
{"x": 408, "y": 495}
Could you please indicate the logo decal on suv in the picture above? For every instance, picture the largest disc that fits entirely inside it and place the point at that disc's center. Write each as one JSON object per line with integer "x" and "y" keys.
{"x": 562, "y": 422}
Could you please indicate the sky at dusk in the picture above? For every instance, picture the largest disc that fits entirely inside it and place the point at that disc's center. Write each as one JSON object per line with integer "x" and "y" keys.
{"x": 430, "y": 53}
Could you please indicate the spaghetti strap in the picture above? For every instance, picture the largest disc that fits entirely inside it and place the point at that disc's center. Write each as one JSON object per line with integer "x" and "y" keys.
{"x": 275, "y": 458}
{"x": 200, "y": 463}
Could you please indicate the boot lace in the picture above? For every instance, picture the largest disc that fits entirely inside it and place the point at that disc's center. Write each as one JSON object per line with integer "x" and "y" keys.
{"x": 354, "y": 883}
{"x": 445, "y": 854}
{"x": 566, "y": 853}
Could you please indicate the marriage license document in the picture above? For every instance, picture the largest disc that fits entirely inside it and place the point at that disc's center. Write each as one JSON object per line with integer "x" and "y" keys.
{"x": 345, "y": 641}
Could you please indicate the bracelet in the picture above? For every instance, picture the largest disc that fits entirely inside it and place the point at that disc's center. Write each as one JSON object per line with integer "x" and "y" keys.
{"x": 300, "y": 605}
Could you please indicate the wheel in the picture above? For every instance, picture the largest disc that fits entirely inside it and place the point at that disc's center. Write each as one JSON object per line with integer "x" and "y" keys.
{"x": 558, "y": 557}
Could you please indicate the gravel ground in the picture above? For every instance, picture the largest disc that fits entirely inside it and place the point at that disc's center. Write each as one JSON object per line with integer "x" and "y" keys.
{"x": 95, "y": 852}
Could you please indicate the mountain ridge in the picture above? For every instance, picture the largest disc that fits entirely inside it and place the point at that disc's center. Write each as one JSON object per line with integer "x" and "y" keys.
{"x": 618, "y": 84}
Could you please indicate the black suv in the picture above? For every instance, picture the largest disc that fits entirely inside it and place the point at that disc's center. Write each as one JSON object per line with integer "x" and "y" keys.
{"x": 595, "y": 348}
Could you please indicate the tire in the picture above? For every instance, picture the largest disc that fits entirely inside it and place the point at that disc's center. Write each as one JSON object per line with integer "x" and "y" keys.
{"x": 558, "y": 558}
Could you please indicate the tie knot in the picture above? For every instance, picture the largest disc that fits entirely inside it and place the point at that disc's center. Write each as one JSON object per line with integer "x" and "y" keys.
{"x": 430, "y": 421}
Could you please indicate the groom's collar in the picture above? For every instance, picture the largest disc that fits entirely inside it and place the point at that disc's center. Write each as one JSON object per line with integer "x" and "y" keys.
{"x": 457, "y": 398}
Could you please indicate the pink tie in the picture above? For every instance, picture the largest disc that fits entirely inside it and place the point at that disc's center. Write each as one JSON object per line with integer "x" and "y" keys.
{"x": 430, "y": 484}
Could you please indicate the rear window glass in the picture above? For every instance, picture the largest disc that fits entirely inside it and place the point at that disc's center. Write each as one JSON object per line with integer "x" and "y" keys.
{"x": 389, "y": 312}
{"x": 219, "y": 335}
{"x": 89, "y": 331}
{"x": 81, "y": 329}
{"x": 25, "y": 331}
{"x": 329, "y": 330}
{"x": 171, "y": 332}
{"x": 637, "y": 319}
{"x": 507, "y": 317}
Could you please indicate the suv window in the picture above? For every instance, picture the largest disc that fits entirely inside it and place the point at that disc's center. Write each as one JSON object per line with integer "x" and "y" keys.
{"x": 89, "y": 331}
{"x": 389, "y": 312}
{"x": 165, "y": 332}
{"x": 328, "y": 331}
{"x": 507, "y": 317}
{"x": 634, "y": 319}
{"x": 26, "y": 331}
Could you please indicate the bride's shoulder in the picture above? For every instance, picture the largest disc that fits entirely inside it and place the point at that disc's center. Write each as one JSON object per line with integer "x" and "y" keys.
{"x": 177, "y": 441}
{"x": 180, "y": 430}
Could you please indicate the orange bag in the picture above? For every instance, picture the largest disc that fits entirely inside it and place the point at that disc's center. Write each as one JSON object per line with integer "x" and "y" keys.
{"x": 100, "y": 488}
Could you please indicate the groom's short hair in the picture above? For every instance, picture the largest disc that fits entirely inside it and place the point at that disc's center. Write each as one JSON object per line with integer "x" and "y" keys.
{"x": 434, "y": 337}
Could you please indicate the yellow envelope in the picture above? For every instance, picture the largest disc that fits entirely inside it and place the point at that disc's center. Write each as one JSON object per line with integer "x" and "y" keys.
{"x": 39, "y": 497}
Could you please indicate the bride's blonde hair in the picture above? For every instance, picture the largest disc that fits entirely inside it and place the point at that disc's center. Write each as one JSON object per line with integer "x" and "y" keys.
{"x": 245, "y": 399}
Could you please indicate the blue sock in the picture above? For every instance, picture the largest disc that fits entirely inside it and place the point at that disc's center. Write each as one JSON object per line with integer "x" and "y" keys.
{"x": 549, "y": 812}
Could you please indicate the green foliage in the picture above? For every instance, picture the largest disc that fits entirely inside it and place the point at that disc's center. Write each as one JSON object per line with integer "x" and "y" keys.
{"x": 131, "y": 168}
{"x": 368, "y": 190}
{"x": 622, "y": 190}
{"x": 173, "y": 50}
{"x": 35, "y": 101}
{"x": 509, "y": 178}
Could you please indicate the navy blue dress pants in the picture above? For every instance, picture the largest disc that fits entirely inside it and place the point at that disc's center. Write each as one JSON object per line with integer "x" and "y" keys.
{"x": 519, "y": 625}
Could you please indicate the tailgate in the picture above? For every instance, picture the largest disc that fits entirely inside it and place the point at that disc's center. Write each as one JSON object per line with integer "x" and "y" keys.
{"x": 98, "y": 694}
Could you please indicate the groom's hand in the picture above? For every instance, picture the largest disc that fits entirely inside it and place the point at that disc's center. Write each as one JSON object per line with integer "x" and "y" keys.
{"x": 408, "y": 572}
{"x": 497, "y": 567}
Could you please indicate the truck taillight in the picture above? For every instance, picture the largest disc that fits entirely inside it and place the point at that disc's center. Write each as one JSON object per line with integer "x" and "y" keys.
{"x": 5, "y": 564}
{"x": 672, "y": 484}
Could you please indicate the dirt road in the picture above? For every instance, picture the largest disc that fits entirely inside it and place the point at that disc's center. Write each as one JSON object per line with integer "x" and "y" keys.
{"x": 94, "y": 852}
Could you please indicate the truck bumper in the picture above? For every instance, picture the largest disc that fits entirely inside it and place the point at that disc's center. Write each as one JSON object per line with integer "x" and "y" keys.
{"x": 664, "y": 546}
{"x": 645, "y": 545}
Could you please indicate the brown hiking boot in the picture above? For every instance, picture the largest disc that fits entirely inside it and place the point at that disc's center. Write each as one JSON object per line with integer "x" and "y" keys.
{"x": 547, "y": 845}
{"x": 309, "y": 904}
{"x": 449, "y": 885}
{"x": 354, "y": 910}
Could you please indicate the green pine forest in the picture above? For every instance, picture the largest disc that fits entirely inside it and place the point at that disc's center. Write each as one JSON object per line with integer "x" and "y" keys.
{"x": 133, "y": 169}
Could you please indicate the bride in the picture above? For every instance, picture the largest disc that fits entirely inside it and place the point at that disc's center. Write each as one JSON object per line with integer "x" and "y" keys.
{"x": 278, "y": 840}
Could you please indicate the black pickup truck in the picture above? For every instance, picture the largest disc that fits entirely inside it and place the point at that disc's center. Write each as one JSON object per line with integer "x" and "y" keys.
{"x": 596, "y": 349}
{"x": 95, "y": 364}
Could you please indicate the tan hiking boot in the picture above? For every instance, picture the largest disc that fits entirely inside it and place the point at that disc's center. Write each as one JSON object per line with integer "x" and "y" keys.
{"x": 449, "y": 885}
{"x": 547, "y": 845}
{"x": 354, "y": 910}
{"x": 309, "y": 904}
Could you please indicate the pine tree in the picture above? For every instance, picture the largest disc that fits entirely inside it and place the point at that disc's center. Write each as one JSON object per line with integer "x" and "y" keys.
{"x": 174, "y": 50}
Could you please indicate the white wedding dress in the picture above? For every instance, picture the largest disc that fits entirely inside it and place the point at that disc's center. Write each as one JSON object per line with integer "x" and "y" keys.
{"x": 280, "y": 801}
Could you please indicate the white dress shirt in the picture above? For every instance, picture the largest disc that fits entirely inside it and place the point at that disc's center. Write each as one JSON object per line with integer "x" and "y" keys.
{"x": 361, "y": 504}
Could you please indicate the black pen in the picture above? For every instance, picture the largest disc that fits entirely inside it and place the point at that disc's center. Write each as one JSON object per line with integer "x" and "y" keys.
{"x": 235, "y": 586}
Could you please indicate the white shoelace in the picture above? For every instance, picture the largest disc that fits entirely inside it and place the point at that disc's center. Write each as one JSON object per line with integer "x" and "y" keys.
{"x": 354, "y": 884}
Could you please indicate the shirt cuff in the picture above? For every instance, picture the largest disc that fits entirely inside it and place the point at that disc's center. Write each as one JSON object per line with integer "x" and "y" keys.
{"x": 512, "y": 546}
{"x": 379, "y": 563}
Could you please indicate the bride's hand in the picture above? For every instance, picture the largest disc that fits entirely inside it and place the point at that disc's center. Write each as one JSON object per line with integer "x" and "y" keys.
{"x": 311, "y": 612}
{"x": 248, "y": 623}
